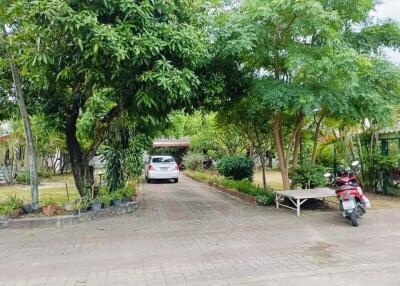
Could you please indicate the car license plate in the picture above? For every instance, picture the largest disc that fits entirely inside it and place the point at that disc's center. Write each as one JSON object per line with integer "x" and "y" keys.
{"x": 164, "y": 168}
{"x": 348, "y": 205}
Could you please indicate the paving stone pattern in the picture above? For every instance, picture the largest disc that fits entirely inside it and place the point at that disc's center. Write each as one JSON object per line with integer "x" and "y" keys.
{"x": 190, "y": 234}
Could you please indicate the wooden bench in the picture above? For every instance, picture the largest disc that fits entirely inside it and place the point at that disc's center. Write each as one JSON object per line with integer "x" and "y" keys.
{"x": 298, "y": 197}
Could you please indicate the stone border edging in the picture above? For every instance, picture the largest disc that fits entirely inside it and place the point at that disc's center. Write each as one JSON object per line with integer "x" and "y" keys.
{"x": 229, "y": 192}
{"x": 38, "y": 222}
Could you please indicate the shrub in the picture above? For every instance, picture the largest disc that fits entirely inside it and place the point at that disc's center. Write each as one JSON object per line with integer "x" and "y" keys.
{"x": 45, "y": 174}
{"x": 265, "y": 199}
{"x": 193, "y": 161}
{"x": 129, "y": 191}
{"x": 11, "y": 204}
{"x": 236, "y": 167}
{"x": 23, "y": 177}
{"x": 309, "y": 176}
{"x": 48, "y": 201}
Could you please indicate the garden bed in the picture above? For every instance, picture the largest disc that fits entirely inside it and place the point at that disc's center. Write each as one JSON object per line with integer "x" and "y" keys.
{"x": 250, "y": 193}
{"x": 69, "y": 219}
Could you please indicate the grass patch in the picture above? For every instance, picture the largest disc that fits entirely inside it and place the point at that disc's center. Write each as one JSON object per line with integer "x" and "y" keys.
{"x": 53, "y": 188}
{"x": 263, "y": 197}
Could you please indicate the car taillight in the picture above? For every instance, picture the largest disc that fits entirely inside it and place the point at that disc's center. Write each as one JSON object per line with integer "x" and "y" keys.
{"x": 177, "y": 167}
{"x": 151, "y": 168}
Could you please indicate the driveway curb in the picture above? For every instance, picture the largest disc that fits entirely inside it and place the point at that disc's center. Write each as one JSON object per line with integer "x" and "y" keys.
{"x": 59, "y": 221}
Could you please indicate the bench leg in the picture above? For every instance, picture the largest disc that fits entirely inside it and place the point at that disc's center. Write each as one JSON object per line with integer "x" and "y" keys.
{"x": 277, "y": 201}
{"x": 298, "y": 207}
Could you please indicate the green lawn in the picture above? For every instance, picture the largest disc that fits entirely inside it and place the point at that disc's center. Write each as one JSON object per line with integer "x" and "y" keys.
{"x": 53, "y": 187}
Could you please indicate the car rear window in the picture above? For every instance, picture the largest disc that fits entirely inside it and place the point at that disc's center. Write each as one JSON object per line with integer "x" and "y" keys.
{"x": 163, "y": 160}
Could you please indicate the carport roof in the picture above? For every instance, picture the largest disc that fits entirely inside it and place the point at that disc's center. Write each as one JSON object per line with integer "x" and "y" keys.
{"x": 171, "y": 142}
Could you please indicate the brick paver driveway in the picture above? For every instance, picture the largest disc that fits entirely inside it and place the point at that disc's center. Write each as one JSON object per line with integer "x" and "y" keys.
{"x": 188, "y": 234}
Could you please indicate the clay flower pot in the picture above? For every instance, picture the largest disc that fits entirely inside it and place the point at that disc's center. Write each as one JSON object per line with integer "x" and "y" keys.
{"x": 49, "y": 210}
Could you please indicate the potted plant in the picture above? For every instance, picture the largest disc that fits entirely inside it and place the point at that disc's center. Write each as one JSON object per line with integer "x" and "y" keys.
{"x": 11, "y": 207}
{"x": 81, "y": 205}
{"x": 49, "y": 206}
{"x": 96, "y": 204}
{"x": 116, "y": 198}
{"x": 5, "y": 211}
{"x": 105, "y": 199}
{"x": 126, "y": 194}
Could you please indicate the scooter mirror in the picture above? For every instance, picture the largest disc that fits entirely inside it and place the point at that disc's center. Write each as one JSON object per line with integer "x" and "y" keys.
{"x": 355, "y": 163}
{"x": 327, "y": 175}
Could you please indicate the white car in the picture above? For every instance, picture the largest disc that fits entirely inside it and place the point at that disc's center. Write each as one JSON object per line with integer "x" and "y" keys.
{"x": 161, "y": 167}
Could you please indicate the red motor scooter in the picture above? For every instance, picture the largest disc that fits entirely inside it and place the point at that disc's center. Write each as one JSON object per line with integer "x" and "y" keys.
{"x": 352, "y": 201}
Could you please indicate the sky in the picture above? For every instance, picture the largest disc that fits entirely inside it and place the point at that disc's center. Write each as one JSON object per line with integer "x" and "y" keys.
{"x": 389, "y": 9}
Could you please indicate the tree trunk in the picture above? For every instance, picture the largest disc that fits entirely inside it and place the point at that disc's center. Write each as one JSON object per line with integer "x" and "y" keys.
{"x": 297, "y": 144}
{"x": 269, "y": 156}
{"x": 83, "y": 173}
{"x": 277, "y": 130}
{"x": 33, "y": 171}
{"x": 299, "y": 124}
{"x": 315, "y": 144}
{"x": 75, "y": 154}
{"x": 262, "y": 159}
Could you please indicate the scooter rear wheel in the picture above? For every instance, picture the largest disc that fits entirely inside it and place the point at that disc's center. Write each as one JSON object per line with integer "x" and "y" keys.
{"x": 353, "y": 218}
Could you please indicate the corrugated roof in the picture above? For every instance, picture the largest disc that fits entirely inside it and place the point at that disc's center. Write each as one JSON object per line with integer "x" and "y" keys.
{"x": 172, "y": 142}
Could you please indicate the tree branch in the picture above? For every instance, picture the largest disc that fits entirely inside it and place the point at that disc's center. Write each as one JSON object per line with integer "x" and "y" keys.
{"x": 101, "y": 127}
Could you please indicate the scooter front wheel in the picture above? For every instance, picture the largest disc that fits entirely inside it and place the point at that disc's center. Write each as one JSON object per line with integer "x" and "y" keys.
{"x": 353, "y": 218}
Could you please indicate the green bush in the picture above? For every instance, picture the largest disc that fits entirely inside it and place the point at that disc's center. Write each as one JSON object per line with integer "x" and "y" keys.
{"x": 265, "y": 199}
{"x": 11, "y": 204}
{"x": 193, "y": 161}
{"x": 243, "y": 186}
{"x": 236, "y": 167}
{"x": 308, "y": 176}
{"x": 45, "y": 174}
{"x": 23, "y": 177}
{"x": 48, "y": 201}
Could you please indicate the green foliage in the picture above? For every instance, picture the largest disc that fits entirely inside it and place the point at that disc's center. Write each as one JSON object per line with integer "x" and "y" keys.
{"x": 236, "y": 167}
{"x": 6, "y": 209}
{"x": 123, "y": 163}
{"x": 117, "y": 194}
{"x": 207, "y": 135}
{"x": 115, "y": 159}
{"x": 306, "y": 59}
{"x": 129, "y": 190}
{"x": 11, "y": 204}
{"x": 24, "y": 177}
{"x": 263, "y": 197}
{"x": 82, "y": 203}
{"x": 134, "y": 162}
{"x": 193, "y": 161}
{"x": 309, "y": 176}
{"x": 266, "y": 199}
{"x": 88, "y": 62}
{"x": 244, "y": 186}
{"x": 104, "y": 197}
{"x": 48, "y": 201}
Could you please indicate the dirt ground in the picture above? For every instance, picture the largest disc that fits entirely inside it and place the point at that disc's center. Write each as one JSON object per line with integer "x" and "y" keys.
{"x": 273, "y": 178}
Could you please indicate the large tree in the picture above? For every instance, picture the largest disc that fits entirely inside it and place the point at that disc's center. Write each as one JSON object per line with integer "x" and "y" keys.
{"x": 141, "y": 56}
{"x": 303, "y": 54}
{"x": 244, "y": 117}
